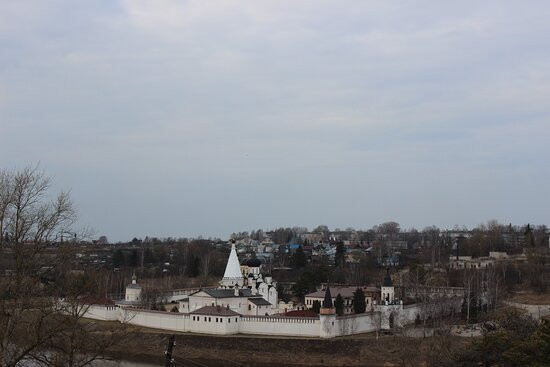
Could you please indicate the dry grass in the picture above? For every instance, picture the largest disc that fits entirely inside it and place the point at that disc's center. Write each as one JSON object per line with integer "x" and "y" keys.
{"x": 531, "y": 298}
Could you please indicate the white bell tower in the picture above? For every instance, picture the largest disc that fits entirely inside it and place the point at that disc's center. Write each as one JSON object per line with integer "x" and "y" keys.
{"x": 232, "y": 275}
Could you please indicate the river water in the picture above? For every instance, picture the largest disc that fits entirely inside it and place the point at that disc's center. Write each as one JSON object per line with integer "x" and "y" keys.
{"x": 122, "y": 364}
{"x": 106, "y": 363}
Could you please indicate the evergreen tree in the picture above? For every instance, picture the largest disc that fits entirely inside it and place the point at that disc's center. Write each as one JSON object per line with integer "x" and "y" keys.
{"x": 316, "y": 307}
{"x": 299, "y": 258}
{"x": 359, "y": 305}
{"x": 340, "y": 256}
{"x": 339, "y": 305}
{"x": 133, "y": 259}
{"x": 148, "y": 256}
{"x": 305, "y": 284}
{"x": 193, "y": 266}
{"x": 281, "y": 293}
{"x": 118, "y": 258}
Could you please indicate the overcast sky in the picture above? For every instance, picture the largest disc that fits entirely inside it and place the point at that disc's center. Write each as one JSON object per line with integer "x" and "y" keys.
{"x": 186, "y": 118}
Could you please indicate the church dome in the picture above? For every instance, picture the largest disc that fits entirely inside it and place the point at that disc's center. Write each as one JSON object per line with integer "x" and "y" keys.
{"x": 253, "y": 263}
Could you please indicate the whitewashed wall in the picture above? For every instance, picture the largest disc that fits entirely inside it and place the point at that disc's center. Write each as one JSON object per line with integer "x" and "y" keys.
{"x": 408, "y": 314}
{"x": 289, "y": 326}
{"x": 356, "y": 324}
{"x": 325, "y": 326}
{"x": 102, "y": 312}
{"x": 156, "y": 319}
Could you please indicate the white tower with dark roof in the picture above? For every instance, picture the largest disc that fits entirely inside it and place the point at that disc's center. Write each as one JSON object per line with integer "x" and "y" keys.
{"x": 387, "y": 291}
{"x": 133, "y": 291}
{"x": 232, "y": 275}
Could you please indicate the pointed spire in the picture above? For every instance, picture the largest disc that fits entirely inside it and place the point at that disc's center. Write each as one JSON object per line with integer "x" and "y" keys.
{"x": 327, "y": 302}
{"x": 387, "y": 279}
{"x": 232, "y": 272}
{"x": 134, "y": 278}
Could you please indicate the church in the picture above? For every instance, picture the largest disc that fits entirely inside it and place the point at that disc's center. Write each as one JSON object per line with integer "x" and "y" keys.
{"x": 254, "y": 295}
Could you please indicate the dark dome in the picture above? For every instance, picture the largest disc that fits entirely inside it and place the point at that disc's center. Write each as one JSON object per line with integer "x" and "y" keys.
{"x": 253, "y": 263}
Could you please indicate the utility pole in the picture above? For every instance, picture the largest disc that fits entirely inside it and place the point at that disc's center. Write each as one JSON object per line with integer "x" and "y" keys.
{"x": 168, "y": 351}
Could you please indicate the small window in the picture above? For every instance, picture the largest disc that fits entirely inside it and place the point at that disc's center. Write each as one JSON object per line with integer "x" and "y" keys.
{"x": 216, "y": 319}
{"x": 235, "y": 319}
{"x": 204, "y": 318}
{"x": 209, "y": 319}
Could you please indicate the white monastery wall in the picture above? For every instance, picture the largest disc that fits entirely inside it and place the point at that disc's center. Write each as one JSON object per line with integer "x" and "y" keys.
{"x": 102, "y": 312}
{"x": 356, "y": 324}
{"x": 155, "y": 319}
{"x": 289, "y": 326}
{"x": 325, "y": 326}
{"x": 408, "y": 314}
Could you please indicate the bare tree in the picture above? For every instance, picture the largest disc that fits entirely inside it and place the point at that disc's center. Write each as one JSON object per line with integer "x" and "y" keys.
{"x": 205, "y": 267}
{"x": 31, "y": 221}
{"x": 468, "y": 287}
{"x": 389, "y": 229}
{"x": 78, "y": 341}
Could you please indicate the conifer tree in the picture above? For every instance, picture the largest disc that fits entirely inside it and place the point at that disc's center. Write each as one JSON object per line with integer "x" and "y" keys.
{"x": 359, "y": 305}
{"x": 299, "y": 258}
{"x": 316, "y": 307}
{"x": 339, "y": 305}
{"x": 118, "y": 258}
{"x": 339, "y": 257}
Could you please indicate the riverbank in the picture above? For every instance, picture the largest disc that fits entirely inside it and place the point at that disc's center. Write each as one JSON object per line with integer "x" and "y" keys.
{"x": 146, "y": 345}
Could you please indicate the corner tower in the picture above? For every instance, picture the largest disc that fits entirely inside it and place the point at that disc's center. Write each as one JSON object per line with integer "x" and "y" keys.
{"x": 327, "y": 307}
{"x": 327, "y": 316}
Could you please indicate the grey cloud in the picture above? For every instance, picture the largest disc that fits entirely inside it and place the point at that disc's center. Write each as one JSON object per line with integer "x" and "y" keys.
{"x": 205, "y": 117}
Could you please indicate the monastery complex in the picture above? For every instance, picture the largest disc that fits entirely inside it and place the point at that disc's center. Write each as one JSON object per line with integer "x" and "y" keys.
{"x": 247, "y": 304}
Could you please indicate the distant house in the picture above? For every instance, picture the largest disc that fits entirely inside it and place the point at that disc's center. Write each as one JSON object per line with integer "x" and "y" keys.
{"x": 396, "y": 245}
{"x": 469, "y": 262}
{"x": 294, "y": 246}
{"x": 388, "y": 261}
